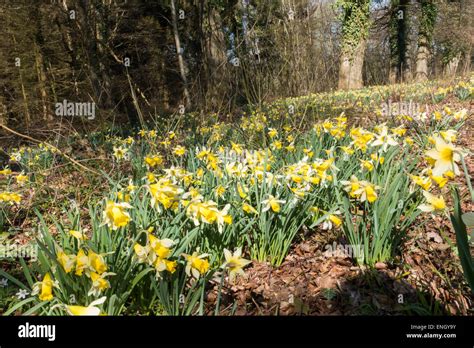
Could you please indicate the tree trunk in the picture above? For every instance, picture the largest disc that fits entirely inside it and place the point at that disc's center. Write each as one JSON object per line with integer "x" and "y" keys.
{"x": 467, "y": 61}
{"x": 215, "y": 52}
{"x": 427, "y": 19}
{"x": 70, "y": 48}
{"x": 39, "y": 62}
{"x": 179, "y": 52}
{"x": 407, "y": 68}
{"x": 422, "y": 57}
{"x": 350, "y": 70}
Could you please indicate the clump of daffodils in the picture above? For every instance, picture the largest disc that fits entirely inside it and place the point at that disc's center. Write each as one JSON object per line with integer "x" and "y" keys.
{"x": 207, "y": 212}
{"x": 165, "y": 194}
{"x": 87, "y": 263}
{"x": 10, "y": 197}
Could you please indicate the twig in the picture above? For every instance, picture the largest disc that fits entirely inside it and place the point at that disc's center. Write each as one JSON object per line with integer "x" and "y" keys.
{"x": 72, "y": 160}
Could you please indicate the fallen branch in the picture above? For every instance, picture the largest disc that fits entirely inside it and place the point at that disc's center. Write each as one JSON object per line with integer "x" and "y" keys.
{"x": 72, "y": 160}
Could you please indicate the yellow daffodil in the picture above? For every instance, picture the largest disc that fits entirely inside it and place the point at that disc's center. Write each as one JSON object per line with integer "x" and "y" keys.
{"x": 272, "y": 132}
{"x": 164, "y": 194}
{"x": 153, "y": 161}
{"x": 116, "y": 215}
{"x": 170, "y": 266}
{"x": 179, "y": 151}
{"x": 272, "y": 203}
{"x": 433, "y": 203}
{"x": 362, "y": 190}
{"x": 351, "y": 186}
{"x": 234, "y": 263}
{"x": 161, "y": 247}
{"x": 424, "y": 182}
{"x": 220, "y": 190}
{"x": 367, "y": 192}
{"x": 10, "y": 197}
{"x": 97, "y": 262}
{"x": 120, "y": 153}
{"x": 78, "y": 235}
{"x": 249, "y": 209}
{"x": 90, "y": 310}
{"x": 66, "y": 261}
{"x": 82, "y": 262}
{"x": 243, "y": 191}
{"x": 367, "y": 165}
{"x": 46, "y": 288}
{"x": 196, "y": 265}
{"x": 99, "y": 283}
{"x": 449, "y": 135}
{"x": 21, "y": 179}
{"x": 445, "y": 156}
{"x": 6, "y": 171}
{"x": 384, "y": 139}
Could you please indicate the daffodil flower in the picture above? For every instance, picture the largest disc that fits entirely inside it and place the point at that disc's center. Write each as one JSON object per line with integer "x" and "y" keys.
{"x": 44, "y": 288}
{"x": 351, "y": 186}
{"x": 384, "y": 140}
{"x": 66, "y": 261}
{"x": 332, "y": 219}
{"x": 367, "y": 165}
{"x": 10, "y": 197}
{"x": 120, "y": 153}
{"x": 272, "y": 132}
{"x": 234, "y": 263}
{"x": 78, "y": 235}
{"x": 82, "y": 262}
{"x": 179, "y": 151}
{"x": 97, "y": 262}
{"x": 196, "y": 265}
{"x": 164, "y": 194}
{"x": 249, "y": 209}
{"x": 153, "y": 161}
{"x": 445, "y": 156}
{"x": 92, "y": 309}
{"x": 116, "y": 215}
{"x": 433, "y": 203}
{"x": 6, "y": 171}
{"x": 367, "y": 192}
{"x": 272, "y": 203}
{"x": 363, "y": 190}
{"x": 424, "y": 182}
{"x": 21, "y": 179}
{"x": 99, "y": 283}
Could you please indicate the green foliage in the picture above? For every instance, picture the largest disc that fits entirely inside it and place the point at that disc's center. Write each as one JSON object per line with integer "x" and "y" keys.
{"x": 379, "y": 228}
{"x": 429, "y": 12}
{"x": 460, "y": 228}
{"x": 355, "y": 22}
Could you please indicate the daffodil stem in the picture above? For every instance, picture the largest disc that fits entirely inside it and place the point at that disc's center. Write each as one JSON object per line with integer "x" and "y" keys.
{"x": 468, "y": 178}
{"x": 218, "y": 302}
